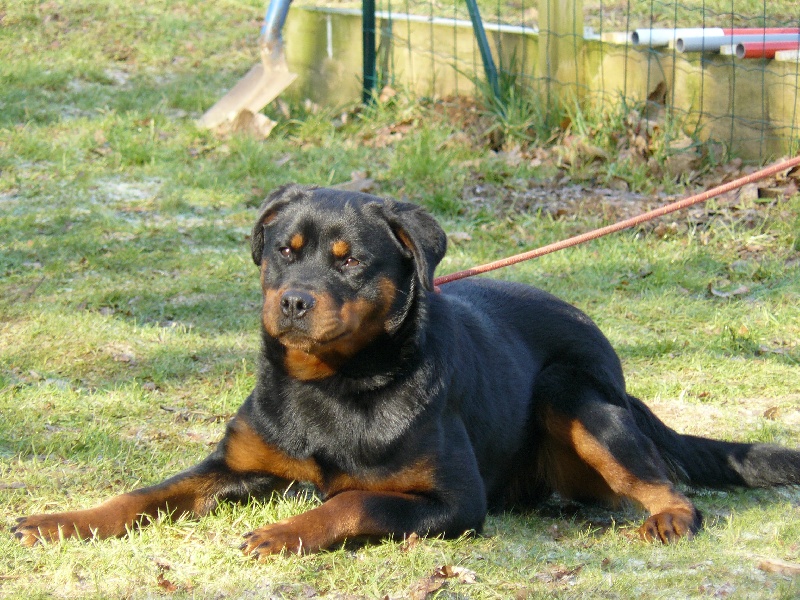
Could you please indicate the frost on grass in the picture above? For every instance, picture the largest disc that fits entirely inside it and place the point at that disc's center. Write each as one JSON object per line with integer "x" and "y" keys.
{"x": 118, "y": 190}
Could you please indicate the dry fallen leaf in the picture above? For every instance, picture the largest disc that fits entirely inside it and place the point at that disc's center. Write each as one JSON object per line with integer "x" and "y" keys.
{"x": 748, "y": 193}
{"x": 722, "y": 590}
{"x": 781, "y": 567}
{"x": 255, "y": 124}
{"x": 463, "y": 574}
{"x": 423, "y": 587}
{"x": 14, "y": 485}
{"x": 559, "y": 574}
{"x": 410, "y": 542}
{"x": 740, "y": 291}
{"x": 387, "y": 93}
{"x": 166, "y": 584}
{"x": 556, "y": 533}
{"x": 459, "y": 236}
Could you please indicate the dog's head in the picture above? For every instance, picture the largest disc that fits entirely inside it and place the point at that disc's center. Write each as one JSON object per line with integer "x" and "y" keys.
{"x": 338, "y": 271}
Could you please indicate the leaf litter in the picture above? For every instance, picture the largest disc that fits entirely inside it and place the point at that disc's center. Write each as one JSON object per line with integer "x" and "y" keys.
{"x": 571, "y": 175}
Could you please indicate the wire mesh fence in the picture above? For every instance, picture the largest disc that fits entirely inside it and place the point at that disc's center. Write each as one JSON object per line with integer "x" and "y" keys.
{"x": 723, "y": 70}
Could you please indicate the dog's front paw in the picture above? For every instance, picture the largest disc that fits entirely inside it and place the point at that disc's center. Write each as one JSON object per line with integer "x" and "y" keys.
{"x": 668, "y": 527}
{"x": 273, "y": 539}
{"x": 292, "y": 535}
{"x": 44, "y": 528}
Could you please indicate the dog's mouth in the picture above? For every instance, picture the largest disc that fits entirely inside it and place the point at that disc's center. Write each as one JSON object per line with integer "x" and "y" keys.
{"x": 321, "y": 329}
{"x": 297, "y": 339}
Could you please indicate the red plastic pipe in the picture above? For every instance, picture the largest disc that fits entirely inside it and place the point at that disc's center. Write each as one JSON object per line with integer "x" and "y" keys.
{"x": 713, "y": 43}
{"x": 757, "y": 30}
{"x": 763, "y": 49}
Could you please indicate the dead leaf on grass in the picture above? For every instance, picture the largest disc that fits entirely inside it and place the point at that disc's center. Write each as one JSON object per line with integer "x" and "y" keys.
{"x": 359, "y": 182}
{"x": 385, "y": 136}
{"x": 764, "y": 349}
{"x": 714, "y": 590}
{"x": 644, "y": 272}
{"x": 387, "y": 93}
{"x": 560, "y": 574}
{"x": 254, "y": 124}
{"x": 463, "y": 574}
{"x": 781, "y": 567}
{"x": 739, "y": 291}
{"x": 748, "y": 193}
{"x": 424, "y": 587}
{"x": 14, "y": 485}
{"x": 410, "y": 542}
{"x": 459, "y": 236}
{"x": 778, "y": 192}
{"x": 556, "y": 532}
{"x": 164, "y": 583}
{"x": 685, "y": 165}
{"x": 282, "y": 160}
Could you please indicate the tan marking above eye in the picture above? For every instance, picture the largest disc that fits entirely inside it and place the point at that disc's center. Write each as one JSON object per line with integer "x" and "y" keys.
{"x": 340, "y": 249}
{"x": 297, "y": 241}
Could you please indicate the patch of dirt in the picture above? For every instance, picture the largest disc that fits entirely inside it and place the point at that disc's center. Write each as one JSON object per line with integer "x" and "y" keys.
{"x": 596, "y": 174}
{"x": 561, "y": 198}
{"x": 570, "y": 201}
{"x": 559, "y": 201}
{"x": 746, "y": 414}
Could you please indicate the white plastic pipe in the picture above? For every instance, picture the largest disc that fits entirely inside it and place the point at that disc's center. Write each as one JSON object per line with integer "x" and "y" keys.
{"x": 662, "y": 37}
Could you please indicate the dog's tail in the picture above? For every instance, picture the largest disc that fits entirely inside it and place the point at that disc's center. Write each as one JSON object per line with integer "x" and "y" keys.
{"x": 717, "y": 464}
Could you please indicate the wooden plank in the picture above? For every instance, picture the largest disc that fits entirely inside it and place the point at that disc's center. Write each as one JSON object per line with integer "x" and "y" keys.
{"x": 561, "y": 57}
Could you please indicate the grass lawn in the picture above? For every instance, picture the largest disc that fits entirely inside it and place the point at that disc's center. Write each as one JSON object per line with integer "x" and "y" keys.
{"x": 129, "y": 316}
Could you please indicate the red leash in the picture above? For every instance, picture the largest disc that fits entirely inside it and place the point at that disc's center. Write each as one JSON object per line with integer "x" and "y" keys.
{"x": 633, "y": 221}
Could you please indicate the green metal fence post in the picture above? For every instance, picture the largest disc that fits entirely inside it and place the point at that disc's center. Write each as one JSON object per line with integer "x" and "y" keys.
{"x": 483, "y": 46}
{"x": 368, "y": 41}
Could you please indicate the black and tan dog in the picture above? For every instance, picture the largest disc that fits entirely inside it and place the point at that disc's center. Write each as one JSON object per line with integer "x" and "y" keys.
{"x": 417, "y": 411}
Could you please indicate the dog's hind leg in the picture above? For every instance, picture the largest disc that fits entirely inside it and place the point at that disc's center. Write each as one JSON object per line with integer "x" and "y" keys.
{"x": 593, "y": 449}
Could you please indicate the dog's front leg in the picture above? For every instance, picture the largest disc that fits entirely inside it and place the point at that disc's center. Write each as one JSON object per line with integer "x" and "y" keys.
{"x": 194, "y": 492}
{"x": 242, "y": 465}
{"x": 348, "y": 515}
{"x": 441, "y": 494}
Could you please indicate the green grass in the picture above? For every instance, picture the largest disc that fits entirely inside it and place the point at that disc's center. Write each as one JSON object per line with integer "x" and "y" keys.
{"x": 129, "y": 310}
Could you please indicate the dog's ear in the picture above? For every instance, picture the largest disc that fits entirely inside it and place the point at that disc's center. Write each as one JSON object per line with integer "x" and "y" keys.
{"x": 269, "y": 210}
{"x": 420, "y": 235}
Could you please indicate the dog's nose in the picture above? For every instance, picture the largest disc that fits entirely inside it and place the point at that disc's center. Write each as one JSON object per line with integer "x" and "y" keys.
{"x": 296, "y": 303}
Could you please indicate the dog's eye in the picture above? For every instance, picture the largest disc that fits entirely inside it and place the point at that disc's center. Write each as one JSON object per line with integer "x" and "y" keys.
{"x": 351, "y": 262}
{"x": 285, "y": 252}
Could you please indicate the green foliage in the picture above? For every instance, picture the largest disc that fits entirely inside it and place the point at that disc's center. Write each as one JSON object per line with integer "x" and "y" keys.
{"x": 520, "y": 113}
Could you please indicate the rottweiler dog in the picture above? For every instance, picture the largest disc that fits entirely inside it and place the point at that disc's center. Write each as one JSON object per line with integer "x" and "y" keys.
{"x": 417, "y": 410}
